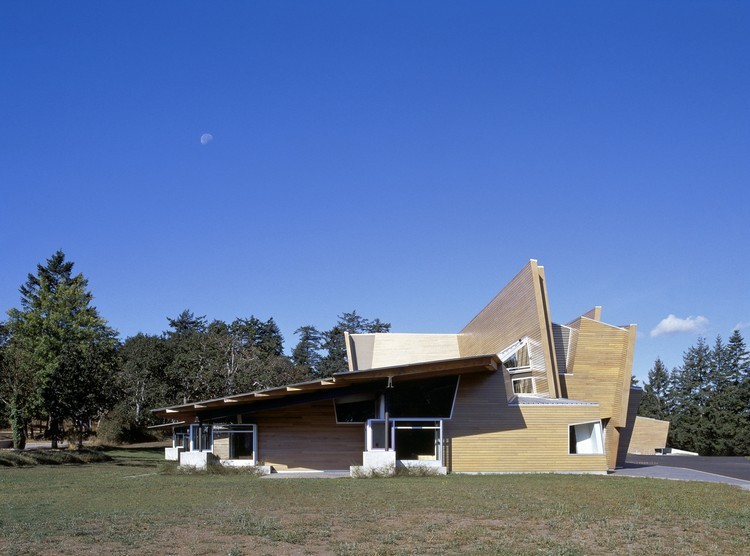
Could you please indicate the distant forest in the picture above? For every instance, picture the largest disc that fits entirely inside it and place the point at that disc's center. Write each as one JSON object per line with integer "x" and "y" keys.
{"x": 61, "y": 362}
{"x": 706, "y": 399}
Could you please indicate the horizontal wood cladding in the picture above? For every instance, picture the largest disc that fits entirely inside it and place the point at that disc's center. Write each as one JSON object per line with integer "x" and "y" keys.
{"x": 401, "y": 349}
{"x": 307, "y": 437}
{"x": 487, "y": 434}
{"x": 648, "y": 435}
{"x": 514, "y": 313}
{"x": 600, "y": 367}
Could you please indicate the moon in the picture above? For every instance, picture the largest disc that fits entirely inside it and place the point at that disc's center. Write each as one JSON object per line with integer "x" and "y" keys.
{"x": 206, "y": 138}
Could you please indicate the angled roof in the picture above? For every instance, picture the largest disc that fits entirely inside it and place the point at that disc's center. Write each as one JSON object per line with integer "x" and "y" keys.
{"x": 339, "y": 383}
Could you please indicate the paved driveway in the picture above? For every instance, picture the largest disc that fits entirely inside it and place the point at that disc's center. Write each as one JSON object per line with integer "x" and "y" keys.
{"x": 730, "y": 470}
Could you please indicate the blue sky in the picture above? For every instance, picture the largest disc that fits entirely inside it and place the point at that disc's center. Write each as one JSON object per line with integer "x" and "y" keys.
{"x": 404, "y": 159}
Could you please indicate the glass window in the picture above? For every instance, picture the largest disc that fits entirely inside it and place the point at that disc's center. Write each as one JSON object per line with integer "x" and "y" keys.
{"x": 355, "y": 409}
{"x": 181, "y": 438}
{"x": 424, "y": 398}
{"x": 586, "y": 438}
{"x": 234, "y": 441}
{"x": 412, "y": 439}
{"x": 200, "y": 438}
{"x": 417, "y": 440}
{"x": 526, "y": 385}
{"x": 376, "y": 435}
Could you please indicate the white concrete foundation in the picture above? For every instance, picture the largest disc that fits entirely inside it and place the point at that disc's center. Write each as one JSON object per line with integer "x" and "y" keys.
{"x": 172, "y": 454}
{"x": 375, "y": 463}
{"x": 199, "y": 460}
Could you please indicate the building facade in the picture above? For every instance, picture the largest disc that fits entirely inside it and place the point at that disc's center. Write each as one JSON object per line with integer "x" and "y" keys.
{"x": 511, "y": 392}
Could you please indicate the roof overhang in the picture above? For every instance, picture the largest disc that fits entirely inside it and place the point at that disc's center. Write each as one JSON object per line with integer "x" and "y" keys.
{"x": 340, "y": 384}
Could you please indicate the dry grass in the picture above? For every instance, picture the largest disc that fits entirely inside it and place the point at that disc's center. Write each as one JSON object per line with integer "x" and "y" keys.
{"x": 128, "y": 507}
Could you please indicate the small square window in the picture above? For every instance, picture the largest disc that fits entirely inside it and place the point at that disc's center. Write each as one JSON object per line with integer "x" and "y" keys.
{"x": 526, "y": 385}
{"x": 585, "y": 438}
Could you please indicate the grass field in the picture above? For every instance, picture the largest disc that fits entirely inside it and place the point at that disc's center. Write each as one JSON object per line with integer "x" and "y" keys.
{"x": 127, "y": 506}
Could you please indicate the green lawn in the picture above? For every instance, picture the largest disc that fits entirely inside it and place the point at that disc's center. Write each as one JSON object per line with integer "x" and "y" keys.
{"x": 128, "y": 507}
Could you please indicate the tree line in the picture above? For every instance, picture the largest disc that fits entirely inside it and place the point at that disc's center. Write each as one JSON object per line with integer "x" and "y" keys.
{"x": 706, "y": 399}
{"x": 61, "y": 362}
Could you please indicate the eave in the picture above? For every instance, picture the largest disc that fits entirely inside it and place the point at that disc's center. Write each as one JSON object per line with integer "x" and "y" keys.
{"x": 327, "y": 388}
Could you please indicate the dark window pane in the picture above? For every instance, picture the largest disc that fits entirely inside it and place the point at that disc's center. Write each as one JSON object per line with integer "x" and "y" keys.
{"x": 426, "y": 398}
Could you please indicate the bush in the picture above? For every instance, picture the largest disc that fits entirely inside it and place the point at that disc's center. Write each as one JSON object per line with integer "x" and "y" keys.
{"x": 391, "y": 471}
{"x": 173, "y": 468}
{"x": 118, "y": 427}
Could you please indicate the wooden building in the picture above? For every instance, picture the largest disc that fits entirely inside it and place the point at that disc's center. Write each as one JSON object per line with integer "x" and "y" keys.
{"x": 511, "y": 392}
{"x": 649, "y": 436}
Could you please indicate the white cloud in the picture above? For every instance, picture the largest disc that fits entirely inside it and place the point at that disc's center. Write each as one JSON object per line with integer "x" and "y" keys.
{"x": 740, "y": 325}
{"x": 673, "y": 325}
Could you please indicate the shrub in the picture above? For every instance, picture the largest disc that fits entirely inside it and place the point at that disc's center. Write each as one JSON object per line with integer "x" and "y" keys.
{"x": 173, "y": 468}
{"x": 391, "y": 471}
{"x": 118, "y": 427}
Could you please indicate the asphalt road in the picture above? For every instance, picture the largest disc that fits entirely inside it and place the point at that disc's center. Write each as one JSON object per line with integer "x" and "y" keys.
{"x": 735, "y": 467}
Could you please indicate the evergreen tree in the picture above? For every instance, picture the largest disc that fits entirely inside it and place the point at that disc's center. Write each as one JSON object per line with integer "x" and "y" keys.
{"x": 62, "y": 346}
{"x": 655, "y": 401}
{"x": 718, "y": 408}
{"x": 306, "y": 354}
{"x": 189, "y": 373}
{"x": 738, "y": 400}
{"x": 690, "y": 385}
{"x": 333, "y": 340}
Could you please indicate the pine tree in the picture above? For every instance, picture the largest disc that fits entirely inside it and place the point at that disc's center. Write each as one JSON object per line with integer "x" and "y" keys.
{"x": 306, "y": 353}
{"x": 62, "y": 346}
{"x": 333, "y": 340}
{"x": 655, "y": 401}
{"x": 738, "y": 383}
{"x": 190, "y": 374}
{"x": 719, "y": 405}
{"x": 690, "y": 387}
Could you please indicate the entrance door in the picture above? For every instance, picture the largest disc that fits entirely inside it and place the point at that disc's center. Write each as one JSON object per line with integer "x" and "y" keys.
{"x": 412, "y": 439}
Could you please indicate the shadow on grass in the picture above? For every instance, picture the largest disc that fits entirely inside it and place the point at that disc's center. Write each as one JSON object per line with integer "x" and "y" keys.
{"x": 45, "y": 456}
{"x": 135, "y": 457}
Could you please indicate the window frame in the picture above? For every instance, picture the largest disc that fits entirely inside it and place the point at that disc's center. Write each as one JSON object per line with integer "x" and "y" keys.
{"x": 596, "y": 437}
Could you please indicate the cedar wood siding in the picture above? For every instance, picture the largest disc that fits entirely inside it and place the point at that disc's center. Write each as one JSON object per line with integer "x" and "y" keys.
{"x": 600, "y": 370}
{"x": 373, "y": 351}
{"x": 634, "y": 402}
{"x": 306, "y": 436}
{"x": 648, "y": 434}
{"x": 487, "y": 434}
{"x": 518, "y": 310}
{"x": 611, "y": 443}
{"x": 600, "y": 367}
